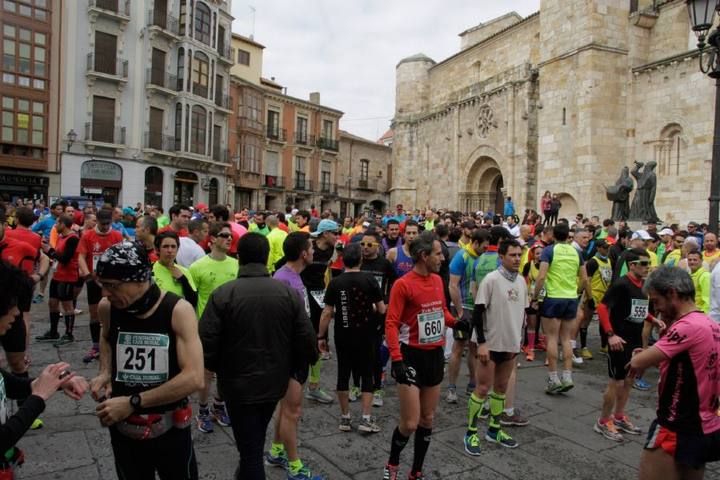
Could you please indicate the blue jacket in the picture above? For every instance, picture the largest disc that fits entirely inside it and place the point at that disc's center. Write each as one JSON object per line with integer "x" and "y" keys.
{"x": 44, "y": 226}
{"x": 509, "y": 208}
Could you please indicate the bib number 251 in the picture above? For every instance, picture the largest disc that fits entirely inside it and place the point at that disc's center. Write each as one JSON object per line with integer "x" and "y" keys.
{"x": 139, "y": 357}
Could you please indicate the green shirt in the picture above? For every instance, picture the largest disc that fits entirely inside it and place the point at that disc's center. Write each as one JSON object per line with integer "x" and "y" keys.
{"x": 163, "y": 221}
{"x": 209, "y": 274}
{"x": 564, "y": 263}
{"x": 701, "y": 280}
{"x": 276, "y": 238}
{"x": 167, "y": 283}
{"x": 263, "y": 231}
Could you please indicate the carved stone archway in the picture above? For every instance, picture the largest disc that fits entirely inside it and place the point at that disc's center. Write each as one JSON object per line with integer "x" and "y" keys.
{"x": 484, "y": 187}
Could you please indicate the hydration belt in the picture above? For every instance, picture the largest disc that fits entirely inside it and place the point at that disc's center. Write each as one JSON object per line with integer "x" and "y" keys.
{"x": 152, "y": 425}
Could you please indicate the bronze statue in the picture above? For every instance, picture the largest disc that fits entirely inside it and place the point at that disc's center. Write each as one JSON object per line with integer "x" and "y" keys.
{"x": 643, "y": 205}
{"x": 619, "y": 194}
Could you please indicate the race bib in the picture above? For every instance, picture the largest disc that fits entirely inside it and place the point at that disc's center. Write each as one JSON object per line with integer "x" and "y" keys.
{"x": 142, "y": 358}
{"x": 306, "y": 301}
{"x": 638, "y": 310}
{"x": 379, "y": 279}
{"x": 95, "y": 260}
{"x": 430, "y": 326}
{"x": 606, "y": 275}
{"x": 319, "y": 297}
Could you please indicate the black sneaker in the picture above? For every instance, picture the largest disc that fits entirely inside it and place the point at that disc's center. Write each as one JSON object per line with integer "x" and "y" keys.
{"x": 64, "y": 340}
{"x": 48, "y": 336}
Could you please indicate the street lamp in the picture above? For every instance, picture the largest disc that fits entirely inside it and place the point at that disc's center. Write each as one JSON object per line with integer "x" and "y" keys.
{"x": 71, "y": 137}
{"x": 702, "y": 15}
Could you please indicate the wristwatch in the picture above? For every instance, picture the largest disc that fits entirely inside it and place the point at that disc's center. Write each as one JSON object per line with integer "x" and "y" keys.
{"x": 136, "y": 402}
{"x": 610, "y": 333}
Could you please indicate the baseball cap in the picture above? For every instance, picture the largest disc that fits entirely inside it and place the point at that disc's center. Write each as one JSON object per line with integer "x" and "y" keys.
{"x": 201, "y": 207}
{"x": 665, "y": 231}
{"x": 326, "y": 225}
{"x": 642, "y": 235}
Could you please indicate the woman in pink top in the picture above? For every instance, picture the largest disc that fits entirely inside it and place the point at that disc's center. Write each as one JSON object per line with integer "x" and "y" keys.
{"x": 546, "y": 206}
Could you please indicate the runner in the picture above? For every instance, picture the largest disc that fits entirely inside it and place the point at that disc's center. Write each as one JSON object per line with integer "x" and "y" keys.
{"x": 302, "y": 219}
{"x": 353, "y": 299}
{"x": 190, "y": 249}
{"x": 400, "y": 257}
{"x": 179, "y": 218}
{"x": 530, "y": 273}
{"x": 150, "y": 361}
{"x": 276, "y": 239}
{"x": 314, "y": 277}
{"x": 298, "y": 252}
{"x": 462, "y": 292}
{"x": 686, "y": 434}
{"x": 711, "y": 252}
{"x": 417, "y": 306}
{"x": 392, "y": 238}
{"x": 599, "y": 271}
{"x": 623, "y": 311}
{"x": 701, "y": 280}
{"x": 92, "y": 245}
{"x": 255, "y": 333}
{"x": 146, "y": 228}
{"x": 63, "y": 283}
{"x": 559, "y": 268}
{"x": 170, "y": 276}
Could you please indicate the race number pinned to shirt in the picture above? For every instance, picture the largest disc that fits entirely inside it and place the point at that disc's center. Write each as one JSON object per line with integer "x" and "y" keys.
{"x": 638, "y": 310}
{"x": 142, "y": 358}
{"x": 319, "y": 297}
{"x": 606, "y": 275}
{"x": 95, "y": 259}
{"x": 431, "y": 326}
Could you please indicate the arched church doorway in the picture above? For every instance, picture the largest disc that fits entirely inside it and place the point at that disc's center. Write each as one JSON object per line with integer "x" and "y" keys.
{"x": 569, "y": 206}
{"x": 485, "y": 187}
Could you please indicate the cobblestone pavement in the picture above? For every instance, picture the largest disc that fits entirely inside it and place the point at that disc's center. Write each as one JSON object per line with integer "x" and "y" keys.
{"x": 558, "y": 444}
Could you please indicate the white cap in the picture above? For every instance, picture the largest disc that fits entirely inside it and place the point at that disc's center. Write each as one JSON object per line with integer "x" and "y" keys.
{"x": 642, "y": 235}
{"x": 665, "y": 231}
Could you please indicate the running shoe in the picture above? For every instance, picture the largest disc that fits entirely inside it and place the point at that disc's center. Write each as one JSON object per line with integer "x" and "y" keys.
{"x": 378, "y": 398}
{"x": 529, "y": 353}
{"x": 469, "y": 389}
{"x": 319, "y": 395}
{"x": 345, "y": 424}
{"x": 205, "y": 421}
{"x": 416, "y": 476}
{"x": 303, "y": 474}
{"x": 452, "y": 395}
{"x": 608, "y": 430}
{"x": 275, "y": 461}
{"x": 64, "y": 340}
{"x": 220, "y": 414}
{"x": 354, "y": 394}
{"x": 553, "y": 387}
{"x": 586, "y": 354}
{"x": 326, "y": 355}
{"x": 625, "y": 425}
{"x": 567, "y": 384}
{"x": 485, "y": 412}
{"x": 38, "y": 298}
{"x": 501, "y": 438}
{"x": 92, "y": 354}
{"x": 641, "y": 385}
{"x": 78, "y": 311}
{"x": 604, "y": 350}
{"x": 368, "y": 426}
{"x": 514, "y": 420}
{"x": 37, "y": 424}
{"x": 48, "y": 337}
{"x": 390, "y": 472}
{"x": 472, "y": 444}
{"x": 576, "y": 360}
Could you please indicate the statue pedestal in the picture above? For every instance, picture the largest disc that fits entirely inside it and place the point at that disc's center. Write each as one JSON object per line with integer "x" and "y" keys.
{"x": 636, "y": 225}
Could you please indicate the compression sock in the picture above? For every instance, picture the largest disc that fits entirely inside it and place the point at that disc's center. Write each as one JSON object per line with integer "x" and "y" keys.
{"x": 497, "y": 405}
{"x": 294, "y": 466}
{"x": 422, "y": 443}
{"x": 583, "y": 337}
{"x": 396, "y": 446}
{"x": 95, "y": 333}
{"x": 315, "y": 373}
{"x": 54, "y": 320}
{"x": 531, "y": 339}
{"x": 276, "y": 449}
{"x": 475, "y": 405}
{"x": 69, "y": 323}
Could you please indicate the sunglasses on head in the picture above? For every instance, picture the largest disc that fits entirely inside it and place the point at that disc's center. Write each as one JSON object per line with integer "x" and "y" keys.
{"x": 642, "y": 263}
{"x": 224, "y": 235}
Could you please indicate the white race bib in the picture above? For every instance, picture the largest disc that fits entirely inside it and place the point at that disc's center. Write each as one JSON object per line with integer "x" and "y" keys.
{"x": 142, "y": 358}
{"x": 319, "y": 297}
{"x": 431, "y": 326}
{"x": 95, "y": 259}
{"x": 379, "y": 279}
{"x": 606, "y": 275}
{"x": 638, "y": 310}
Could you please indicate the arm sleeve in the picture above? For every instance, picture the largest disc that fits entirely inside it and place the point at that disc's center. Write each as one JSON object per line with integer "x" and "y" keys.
{"x": 479, "y": 322}
{"x": 67, "y": 254}
{"x": 392, "y": 320}
{"x": 189, "y": 292}
{"x": 16, "y": 426}
{"x": 210, "y": 330}
{"x": 591, "y": 266}
{"x": 604, "y": 317}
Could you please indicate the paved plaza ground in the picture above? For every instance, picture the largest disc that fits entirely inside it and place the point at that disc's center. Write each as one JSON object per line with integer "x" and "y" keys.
{"x": 558, "y": 444}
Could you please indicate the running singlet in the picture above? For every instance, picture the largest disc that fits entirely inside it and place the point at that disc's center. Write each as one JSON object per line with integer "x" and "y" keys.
{"x": 600, "y": 272}
{"x": 418, "y": 314}
{"x": 167, "y": 283}
{"x": 143, "y": 351}
{"x": 488, "y": 262}
{"x": 402, "y": 264}
{"x": 314, "y": 275}
{"x": 19, "y": 254}
{"x": 564, "y": 261}
{"x": 292, "y": 279}
{"x": 208, "y": 274}
{"x": 463, "y": 265}
{"x": 30, "y": 237}
{"x": 93, "y": 245}
{"x": 689, "y": 387}
{"x": 67, "y": 272}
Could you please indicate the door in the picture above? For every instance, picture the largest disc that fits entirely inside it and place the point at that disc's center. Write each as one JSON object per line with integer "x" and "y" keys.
{"x": 156, "y": 129}
{"x": 157, "y": 70}
{"x": 160, "y": 13}
{"x": 103, "y": 120}
{"x": 105, "y": 53}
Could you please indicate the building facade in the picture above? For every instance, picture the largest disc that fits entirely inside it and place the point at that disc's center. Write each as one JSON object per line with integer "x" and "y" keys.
{"x": 146, "y": 89}
{"x": 561, "y": 101}
{"x": 28, "y": 164}
{"x": 364, "y": 171}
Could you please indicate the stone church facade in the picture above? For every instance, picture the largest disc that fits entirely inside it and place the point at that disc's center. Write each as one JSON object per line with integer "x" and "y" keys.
{"x": 560, "y": 101}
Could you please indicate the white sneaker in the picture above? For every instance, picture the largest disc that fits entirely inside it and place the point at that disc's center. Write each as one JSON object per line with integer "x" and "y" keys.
{"x": 577, "y": 360}
{"x": 378, "y": 398}
{"x": 452, "y": 395}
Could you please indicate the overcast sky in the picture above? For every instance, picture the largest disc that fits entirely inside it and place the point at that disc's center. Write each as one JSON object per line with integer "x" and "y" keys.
{"x": 347, "y": 49}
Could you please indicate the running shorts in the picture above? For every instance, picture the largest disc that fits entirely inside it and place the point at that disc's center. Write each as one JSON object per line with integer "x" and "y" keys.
{"x": 14, "y": 339}
{"x": 692, "y": 450}
{"x": 300, "y": 374}
{"x": 562, "y": 308}
{"x": 429, "y": 365}
{"x": 63, "y": 291}
{"x": 501, "y": 357}
{"x": 618, "y": 360}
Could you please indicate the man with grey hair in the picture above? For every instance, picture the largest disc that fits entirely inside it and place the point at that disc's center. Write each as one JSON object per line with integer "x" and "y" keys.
{"x": 686, "y": 434}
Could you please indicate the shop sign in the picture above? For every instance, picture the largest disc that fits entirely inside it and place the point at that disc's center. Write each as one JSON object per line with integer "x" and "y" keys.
{"x": 13, "y": 179}
{"x": 98, "y": 170}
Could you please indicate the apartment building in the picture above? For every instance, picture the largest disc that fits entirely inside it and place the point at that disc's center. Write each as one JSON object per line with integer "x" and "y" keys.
{"x": 146, "y": 91}
{"x": 26, "y": 160}
{"x": 364, "y": 174}
{"x": 288, "y": 154}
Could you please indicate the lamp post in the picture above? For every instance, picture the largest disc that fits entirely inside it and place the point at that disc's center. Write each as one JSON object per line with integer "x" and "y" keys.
{"x": 702, "y": 15}
{"x": 71, "y": 137}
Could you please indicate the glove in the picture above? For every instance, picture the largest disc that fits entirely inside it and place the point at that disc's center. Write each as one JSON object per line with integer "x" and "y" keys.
{"x": 462, "y": 330}
{"x": 403, "y": 374}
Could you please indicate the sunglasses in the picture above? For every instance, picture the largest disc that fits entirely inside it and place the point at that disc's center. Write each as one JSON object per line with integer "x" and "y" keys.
{"x": 224, "y": 235}
{"x": 368, "y": 244}
{"x": 642, "y": 263}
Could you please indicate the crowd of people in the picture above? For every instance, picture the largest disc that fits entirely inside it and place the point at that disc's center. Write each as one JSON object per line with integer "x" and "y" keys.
{"x": 255, "y": 301}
